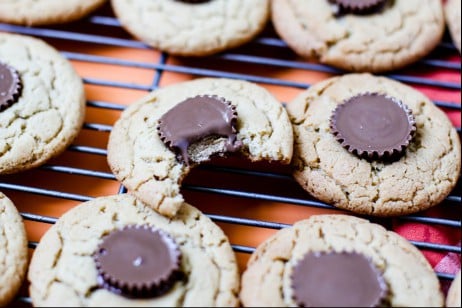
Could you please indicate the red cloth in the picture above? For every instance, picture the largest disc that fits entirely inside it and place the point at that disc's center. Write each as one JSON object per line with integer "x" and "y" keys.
{"x": 442, "y": 261}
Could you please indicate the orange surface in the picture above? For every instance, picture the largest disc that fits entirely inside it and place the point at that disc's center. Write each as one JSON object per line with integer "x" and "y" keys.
{"x": 86, "y": 187}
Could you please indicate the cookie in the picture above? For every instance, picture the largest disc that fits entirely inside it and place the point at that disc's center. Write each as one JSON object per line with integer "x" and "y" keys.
{"x": 193, "y": 28}
{"x": 372, "y": 145}
{"x": 453, "y": 298}
{"x": 42, "y": 103}
{"x": 13, "y": 251}
{"x": 160, "y": 138}
{"x": 115, "y": 251}
{"x": 46, "y": 12}
{"x": 338, "y": 261}
{"x": 452, "y": 11}
{"x": 360, "y": 36}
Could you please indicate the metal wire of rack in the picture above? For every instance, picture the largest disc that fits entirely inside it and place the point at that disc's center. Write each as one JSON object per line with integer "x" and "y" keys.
{"x": 267, "y": 52}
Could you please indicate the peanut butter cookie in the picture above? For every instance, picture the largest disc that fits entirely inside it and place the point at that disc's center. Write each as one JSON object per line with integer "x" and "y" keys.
{"x": 46, "y": 12}
{"x": 338, "y": 261}
{"x": 453, "y": 298}
{"x": 42, "y": 103}
{"x": 13, "y": 250}
{"x": 373, "y": 145}
{"x": 115, "y": 251}
{"x": 452, "y": 11}
{"x": 360, "y": 36}
{"x": 160, "y": 138}
{"x": 193, "y": 28}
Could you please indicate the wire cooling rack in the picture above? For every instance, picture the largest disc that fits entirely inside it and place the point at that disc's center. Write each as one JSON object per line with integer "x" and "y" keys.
{"x": 249, "y": 201}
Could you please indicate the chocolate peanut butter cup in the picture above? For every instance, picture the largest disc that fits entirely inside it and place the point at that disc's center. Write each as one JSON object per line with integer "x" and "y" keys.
{"x": 359, "y": 6}
{"x": 345, "y": 279}
{"x": 193, "y": 1}
{"x": 138, "y": 261}
{"x": 10, "y": 86}
{"x": 373, "y": 126}
{"x": 195, "y": 119}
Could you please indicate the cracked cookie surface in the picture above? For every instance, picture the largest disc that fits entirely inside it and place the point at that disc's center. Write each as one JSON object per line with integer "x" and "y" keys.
{"x": 403, "y": 32}
{"x": 452, "y": 13}
{"x": 193, "y": 29}
{"x": 150, "y": 170}
{"x": 420, "y": 179}
{"x": 266, "y": 280}
{"x": 13, "y": 250}
{"x": 46, "y": 12}
{"x": 50, "y": 110}
{"x": 63, "y": 272}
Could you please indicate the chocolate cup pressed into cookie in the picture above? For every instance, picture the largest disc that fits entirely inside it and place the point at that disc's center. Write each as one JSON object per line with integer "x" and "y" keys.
{"x": 354, "y": 277}
{"x": 158, "y": 140}
{"x": 422, "y": 175}
{"x": 337, "y": 260}
{"x": 358, "y": 7}
{"x": 10, "y": 86}
{"x": 373, "y": 126}
{"x": 342, "y": 35}
{"x": 195, "y": 123}
{"x": 138, "y": 261}
{"x": 119, "y": 240}
{"x": 42, "y": 103}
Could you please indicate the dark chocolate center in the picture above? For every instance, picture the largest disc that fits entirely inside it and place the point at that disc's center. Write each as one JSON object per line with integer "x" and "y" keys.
{"x": 193, "y": 1}
{"x": 337, "y": 280}
{"x": 196, "y": 118}
{"x": 373, "y": 123}
{"x": 359, "y": 6}
{"x": 10, "y": 86}
{"x": 138, "y": 261}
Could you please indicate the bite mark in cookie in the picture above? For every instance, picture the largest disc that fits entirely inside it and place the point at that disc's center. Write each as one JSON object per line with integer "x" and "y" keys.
{"x": 152, "y": 170}
{"x": 197, "y": 118}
